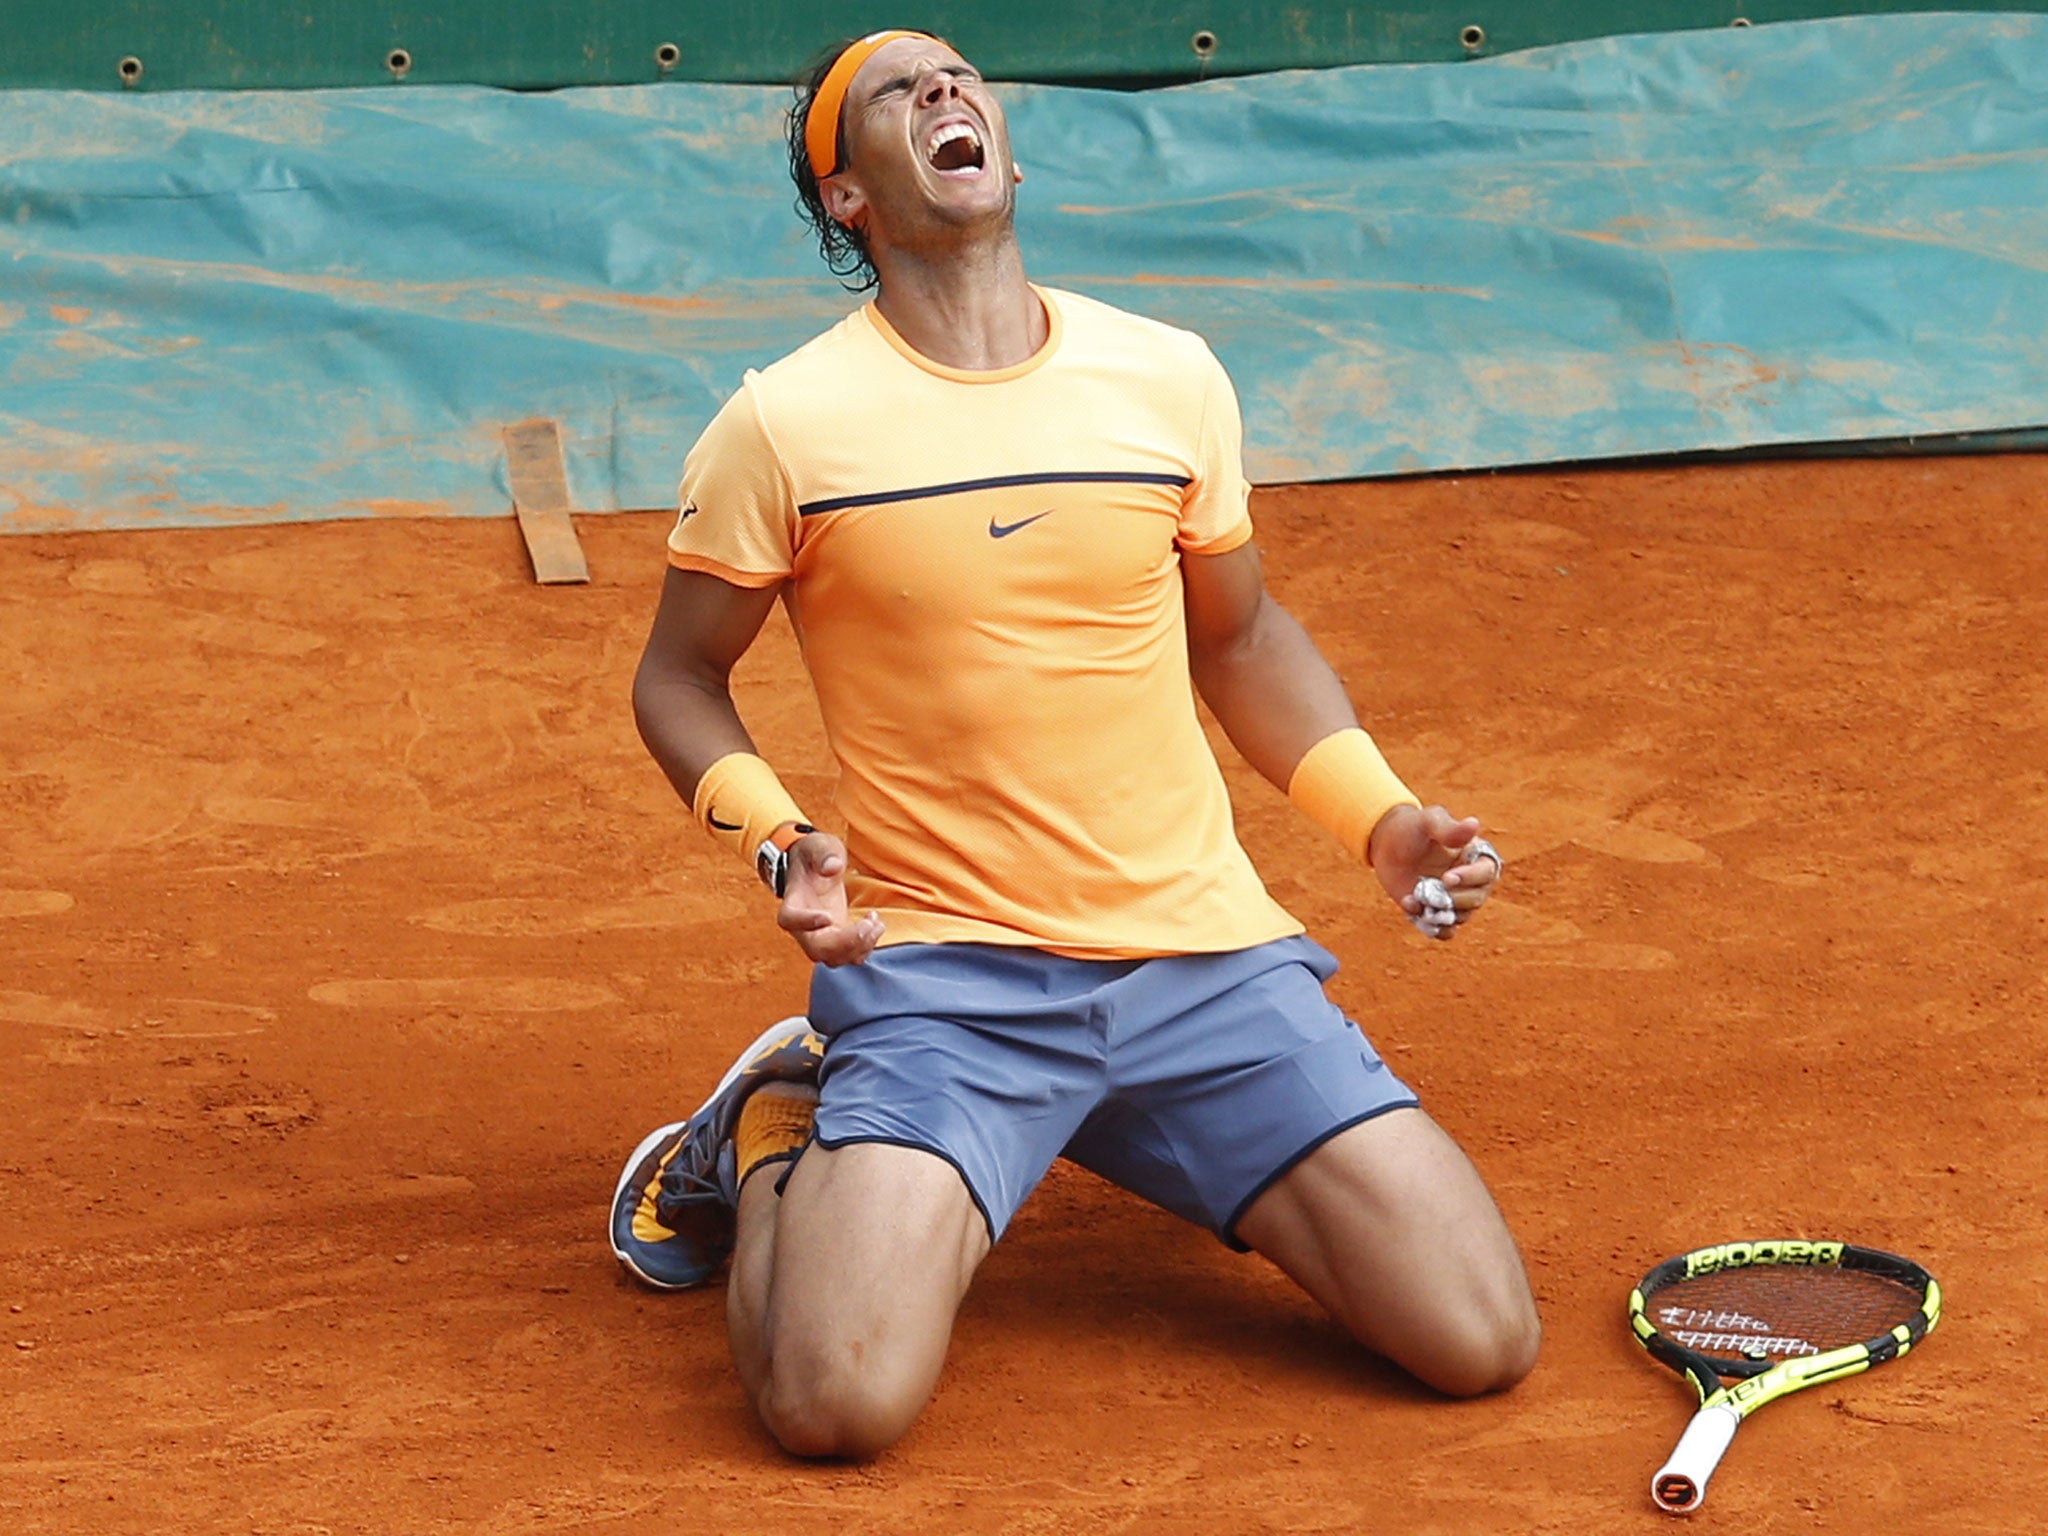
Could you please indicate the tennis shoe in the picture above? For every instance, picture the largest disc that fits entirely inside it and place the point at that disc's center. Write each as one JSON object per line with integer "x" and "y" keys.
{"x": 673, "y": 1211}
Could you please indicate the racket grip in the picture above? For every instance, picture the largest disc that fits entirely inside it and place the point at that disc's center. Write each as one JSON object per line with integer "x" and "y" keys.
{"x": 1680, "y": 1486}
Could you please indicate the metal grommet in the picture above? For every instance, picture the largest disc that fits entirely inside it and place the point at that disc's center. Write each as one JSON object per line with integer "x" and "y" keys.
{"x": 1740, "y": 21}
{"x": 667, "y": 57}
{"x": 1204, "y": 44}
{"x": 130, "y": 71}
{"x": 1472, "y": 38}
{"x": 399, "y": 62}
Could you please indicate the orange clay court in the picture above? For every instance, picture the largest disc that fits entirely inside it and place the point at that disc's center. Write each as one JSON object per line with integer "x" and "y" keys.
{"x": 351, "y": 939}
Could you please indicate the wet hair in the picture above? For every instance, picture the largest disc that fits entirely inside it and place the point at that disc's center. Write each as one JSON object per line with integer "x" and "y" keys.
{"x": 844, "y": 248}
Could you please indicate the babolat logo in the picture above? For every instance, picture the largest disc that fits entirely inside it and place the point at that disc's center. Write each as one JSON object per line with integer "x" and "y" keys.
{"x": 1705, "y": 1261}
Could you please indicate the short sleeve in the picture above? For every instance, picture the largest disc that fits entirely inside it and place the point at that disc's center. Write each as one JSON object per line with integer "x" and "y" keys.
{"x": 1215, "y": 514}
{"x": 738, "y": 519}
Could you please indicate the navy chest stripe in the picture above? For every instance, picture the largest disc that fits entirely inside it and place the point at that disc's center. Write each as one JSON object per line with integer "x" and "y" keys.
{"x": 993, "y": 483}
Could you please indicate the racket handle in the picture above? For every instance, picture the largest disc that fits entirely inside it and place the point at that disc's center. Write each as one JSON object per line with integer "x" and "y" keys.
{"x": 1680, "y": 1486}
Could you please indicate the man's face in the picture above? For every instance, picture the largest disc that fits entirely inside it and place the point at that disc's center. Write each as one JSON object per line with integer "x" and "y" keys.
{"x": 926, "y": 146}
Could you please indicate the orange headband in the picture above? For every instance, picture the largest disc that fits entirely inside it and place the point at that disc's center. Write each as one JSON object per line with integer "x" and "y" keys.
{"x": 821, "y": 122}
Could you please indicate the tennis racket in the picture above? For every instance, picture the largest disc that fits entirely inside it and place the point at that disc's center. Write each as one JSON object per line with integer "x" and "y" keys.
{"x": 1769, "y": 1318}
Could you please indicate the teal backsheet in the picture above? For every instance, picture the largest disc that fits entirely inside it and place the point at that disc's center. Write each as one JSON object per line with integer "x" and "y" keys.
{"x": 270, "y": 306}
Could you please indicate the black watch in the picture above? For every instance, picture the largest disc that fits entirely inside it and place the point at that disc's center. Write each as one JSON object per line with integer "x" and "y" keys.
{"x": 771, "y": 859}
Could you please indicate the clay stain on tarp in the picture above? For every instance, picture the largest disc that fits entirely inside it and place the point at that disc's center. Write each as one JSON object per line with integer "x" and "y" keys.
{"x": 1720, "y": 376}
{"x": 1277, "y": 284}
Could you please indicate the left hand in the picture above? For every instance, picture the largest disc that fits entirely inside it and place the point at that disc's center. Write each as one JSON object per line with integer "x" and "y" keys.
{"x": 1424, "y": 856}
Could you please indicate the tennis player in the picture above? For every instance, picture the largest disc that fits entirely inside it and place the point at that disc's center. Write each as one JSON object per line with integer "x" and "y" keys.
{"x": 1010, "y": 528}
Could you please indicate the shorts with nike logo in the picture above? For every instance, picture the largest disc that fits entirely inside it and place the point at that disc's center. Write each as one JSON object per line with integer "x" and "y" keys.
{"x": 1194, "y": 1081}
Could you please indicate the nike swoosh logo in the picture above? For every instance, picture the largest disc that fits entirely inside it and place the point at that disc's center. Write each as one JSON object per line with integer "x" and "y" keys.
{"x": 723, "y": 826}
{"x": 998, "y": 530}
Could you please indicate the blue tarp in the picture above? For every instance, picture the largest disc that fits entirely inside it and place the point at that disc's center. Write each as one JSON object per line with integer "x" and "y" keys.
{"x": 271, "y": 306}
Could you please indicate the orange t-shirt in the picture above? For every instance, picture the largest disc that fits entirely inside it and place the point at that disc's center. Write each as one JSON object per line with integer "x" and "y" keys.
{"x": 983, "y": 571}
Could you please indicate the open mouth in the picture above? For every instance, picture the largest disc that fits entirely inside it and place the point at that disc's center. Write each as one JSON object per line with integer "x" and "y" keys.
{"x": 955, "y": 150}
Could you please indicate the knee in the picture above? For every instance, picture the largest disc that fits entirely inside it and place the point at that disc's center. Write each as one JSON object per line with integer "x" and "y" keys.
{"x": 1489, "y": 1350}
{"x": 825, "y": 1408}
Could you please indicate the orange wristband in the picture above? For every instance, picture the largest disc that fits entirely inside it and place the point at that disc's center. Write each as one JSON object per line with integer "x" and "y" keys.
{"x": 743, "y": 805}
{"x": 1344, "y": 785}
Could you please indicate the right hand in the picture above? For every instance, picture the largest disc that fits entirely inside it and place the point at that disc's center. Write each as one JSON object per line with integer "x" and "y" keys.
{"x": 814, "y": 911}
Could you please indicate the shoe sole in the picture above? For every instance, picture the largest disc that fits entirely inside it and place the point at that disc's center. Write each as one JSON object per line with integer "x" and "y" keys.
{"x": 796, "y": 1023}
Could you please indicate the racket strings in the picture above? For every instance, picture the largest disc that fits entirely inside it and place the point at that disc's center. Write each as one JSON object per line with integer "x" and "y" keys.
{"x": 1774, "y": 1312}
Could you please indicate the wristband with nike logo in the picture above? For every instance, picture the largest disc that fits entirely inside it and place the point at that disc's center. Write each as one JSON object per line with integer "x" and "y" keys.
{"x": 742, "y": 804}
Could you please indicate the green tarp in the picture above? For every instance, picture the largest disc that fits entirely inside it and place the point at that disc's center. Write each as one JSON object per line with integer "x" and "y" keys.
{"x": 270, "y": 306}
{"x": 245, "y": 45}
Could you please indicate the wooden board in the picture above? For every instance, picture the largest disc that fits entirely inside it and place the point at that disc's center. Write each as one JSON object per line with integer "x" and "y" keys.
{"x": 540, "y": 498}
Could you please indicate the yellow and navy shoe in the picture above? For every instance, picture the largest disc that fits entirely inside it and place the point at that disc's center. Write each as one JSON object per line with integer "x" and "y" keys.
{"x": 672, "y": 1213}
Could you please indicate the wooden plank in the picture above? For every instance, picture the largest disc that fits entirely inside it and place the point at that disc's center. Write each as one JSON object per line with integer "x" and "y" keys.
{"x": 540, "y": 498}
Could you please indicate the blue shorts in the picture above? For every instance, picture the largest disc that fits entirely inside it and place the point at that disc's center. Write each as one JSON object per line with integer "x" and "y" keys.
{"x": 1194, "y": 1081}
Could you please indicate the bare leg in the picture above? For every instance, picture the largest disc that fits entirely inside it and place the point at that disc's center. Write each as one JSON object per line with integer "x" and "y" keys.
{"x": 1389, "y": 1226}
{"x": 843, "y": 1292}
